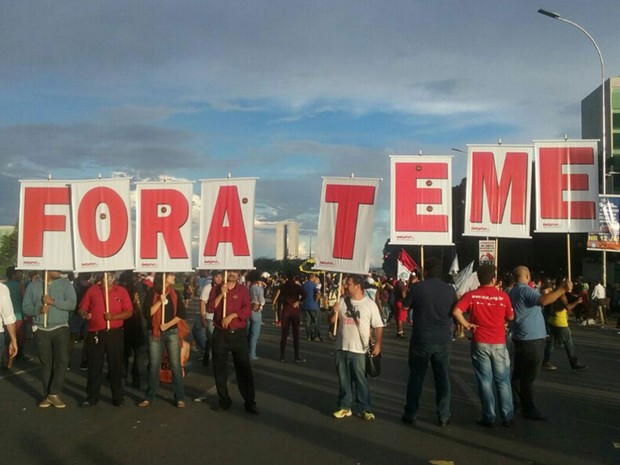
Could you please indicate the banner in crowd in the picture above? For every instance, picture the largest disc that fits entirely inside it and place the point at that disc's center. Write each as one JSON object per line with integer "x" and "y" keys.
{"x": 227, "y": 224}
{"x": 498, "y": 191}
{"x": 346, "y": 224}
{"x": 45, "y": 233}
{"x": 567, "y": 186}
{"x": 421, "y": 200}
{"x": 164, "y": 226}
{"x": 102, "y": 224}
{"x": 607, "y": 236}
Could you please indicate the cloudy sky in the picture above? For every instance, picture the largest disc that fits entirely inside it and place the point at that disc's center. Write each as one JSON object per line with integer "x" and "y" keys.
{"x": 285, "y": 90}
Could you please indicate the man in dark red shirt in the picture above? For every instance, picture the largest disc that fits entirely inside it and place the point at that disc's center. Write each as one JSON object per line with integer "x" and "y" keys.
{"x": 103, "y": 340}
{"x": 230, "y": 304}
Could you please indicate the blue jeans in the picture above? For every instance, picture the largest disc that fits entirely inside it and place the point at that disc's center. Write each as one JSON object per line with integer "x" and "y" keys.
{"x": 170, "y": 340}
{"x": 254, "y": 323}
{"x": 200, "y": 336}
{"x": 419, "y": 357}
{"x": 351, "y": 368}
{"x": 492, "y": 367}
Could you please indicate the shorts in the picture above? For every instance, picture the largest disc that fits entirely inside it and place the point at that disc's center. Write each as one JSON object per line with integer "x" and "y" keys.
{"x": 401, "y": 313}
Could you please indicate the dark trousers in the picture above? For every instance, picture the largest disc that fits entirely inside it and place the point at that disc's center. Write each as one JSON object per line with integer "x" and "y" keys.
{"x": 528, "y": 357}
{"x": 101, "y": 344}
{"x": 236, "y": 343}
{"x": 313, "y": 324}
{"x": 288, "y": 320}
{"x": 53, "y": 347}
{"x": 420, "y": 356}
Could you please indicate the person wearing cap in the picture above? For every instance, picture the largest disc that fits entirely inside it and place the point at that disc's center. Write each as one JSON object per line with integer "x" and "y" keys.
{"x": 230, "y": 304}
{"x": 51, "y": 336}
{"x": 105, "y": 337}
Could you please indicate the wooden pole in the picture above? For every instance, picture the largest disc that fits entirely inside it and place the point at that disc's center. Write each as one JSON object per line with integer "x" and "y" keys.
{"x": 422, "y": 262}
{"x": 568, "y": 257}
{"x": 107, "y": 298}
{"x": 44, "y": 294}
{"x": 337, "y": 314}
{"x": 163, "y": 292}
{"x": 225, "y": 284}
{"x": 497, "y": 254}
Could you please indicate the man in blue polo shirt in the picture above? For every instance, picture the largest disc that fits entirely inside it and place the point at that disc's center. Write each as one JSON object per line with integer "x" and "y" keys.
{"x": 529, "y": 336}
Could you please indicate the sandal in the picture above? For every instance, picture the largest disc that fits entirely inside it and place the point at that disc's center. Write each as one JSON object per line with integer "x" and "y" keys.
{"x": 144, "y": 403}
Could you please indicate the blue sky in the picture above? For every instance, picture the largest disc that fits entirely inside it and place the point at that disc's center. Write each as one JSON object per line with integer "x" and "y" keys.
{"x": 288, "y": 91}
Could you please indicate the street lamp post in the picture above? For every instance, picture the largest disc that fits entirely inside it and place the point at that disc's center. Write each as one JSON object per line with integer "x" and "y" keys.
{"x": 553, "y": 15}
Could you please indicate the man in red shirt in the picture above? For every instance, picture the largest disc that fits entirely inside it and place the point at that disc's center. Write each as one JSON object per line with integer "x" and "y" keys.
{"x": 229, "y": 335}
{"x": 489, "y": 310}
{"x": 103, "y": 341}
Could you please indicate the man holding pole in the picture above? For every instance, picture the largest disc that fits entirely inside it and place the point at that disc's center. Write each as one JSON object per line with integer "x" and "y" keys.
{"x": 529, "y": 336}
{"x": 105, "y": 307}
{"x": 230, "y": 304}
{"x": 50, "y": 303}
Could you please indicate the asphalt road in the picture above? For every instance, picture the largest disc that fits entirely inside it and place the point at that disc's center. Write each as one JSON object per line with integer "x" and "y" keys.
{"x": 295, "y": 424}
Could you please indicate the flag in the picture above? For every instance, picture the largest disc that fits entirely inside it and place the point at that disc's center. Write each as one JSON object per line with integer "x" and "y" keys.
{"x": 454, "y": 268}
{"x": 466, "y": 280}
{"x": 405, "y": 259}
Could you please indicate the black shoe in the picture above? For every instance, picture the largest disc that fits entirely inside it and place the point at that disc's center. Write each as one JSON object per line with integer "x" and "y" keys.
{"x": 486, "y": 424}
{"x": 443, "y": 423}
{"x": 252, "y": 410}
{"x": 89, "y": 403}
{"x": 205, "y": 361}
{"x": 222, "y": 407}
{"x": 508, "y": 423}
{"x": 536, "y": 416}
{"x": 407, "y": 419}
{"x": 118, "y": 403}
{"x": 579, "y": 367}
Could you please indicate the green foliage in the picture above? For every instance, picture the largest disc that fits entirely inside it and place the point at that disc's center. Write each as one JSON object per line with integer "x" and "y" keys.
{"x": 8, "y": 251}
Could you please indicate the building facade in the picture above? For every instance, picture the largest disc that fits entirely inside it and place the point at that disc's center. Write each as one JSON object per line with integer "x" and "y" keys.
{"x": 287, "y": 240}
{"x": 592, "y": 127}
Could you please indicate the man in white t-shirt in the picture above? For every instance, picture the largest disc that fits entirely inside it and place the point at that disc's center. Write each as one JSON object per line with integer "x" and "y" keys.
{"x": 356, "y": 314}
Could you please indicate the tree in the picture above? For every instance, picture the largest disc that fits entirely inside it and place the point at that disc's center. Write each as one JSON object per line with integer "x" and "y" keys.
{"x": 8, "y": 250}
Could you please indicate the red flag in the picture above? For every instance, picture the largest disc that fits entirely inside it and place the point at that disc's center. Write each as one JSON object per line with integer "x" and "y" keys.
{"x": 407, "y": 261}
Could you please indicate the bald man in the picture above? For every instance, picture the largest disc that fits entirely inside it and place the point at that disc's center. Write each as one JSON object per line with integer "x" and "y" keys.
{"x": 529, "y": 336}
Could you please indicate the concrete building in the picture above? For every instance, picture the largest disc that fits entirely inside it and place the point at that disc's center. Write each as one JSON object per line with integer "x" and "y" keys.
{"x": 287, "y": 240}
{"x": 592, "y": 127}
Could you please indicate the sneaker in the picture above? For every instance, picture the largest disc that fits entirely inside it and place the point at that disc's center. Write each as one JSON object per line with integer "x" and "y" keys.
{"x": 342, "y": 413}
{"x": 400, "y": 335}
{"x": 200, "y": 399}
{"x": 54, "y": 399}
{"x": 84, "y": 366}
{"x": 579, "y": 367}
{"x": 549, "y": 366}
{"x": 45, "y": 403}
{"x": 367, "y": 415}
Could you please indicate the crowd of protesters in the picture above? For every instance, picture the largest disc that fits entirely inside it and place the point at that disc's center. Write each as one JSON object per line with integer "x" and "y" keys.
{"x": 137, "y": 323}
